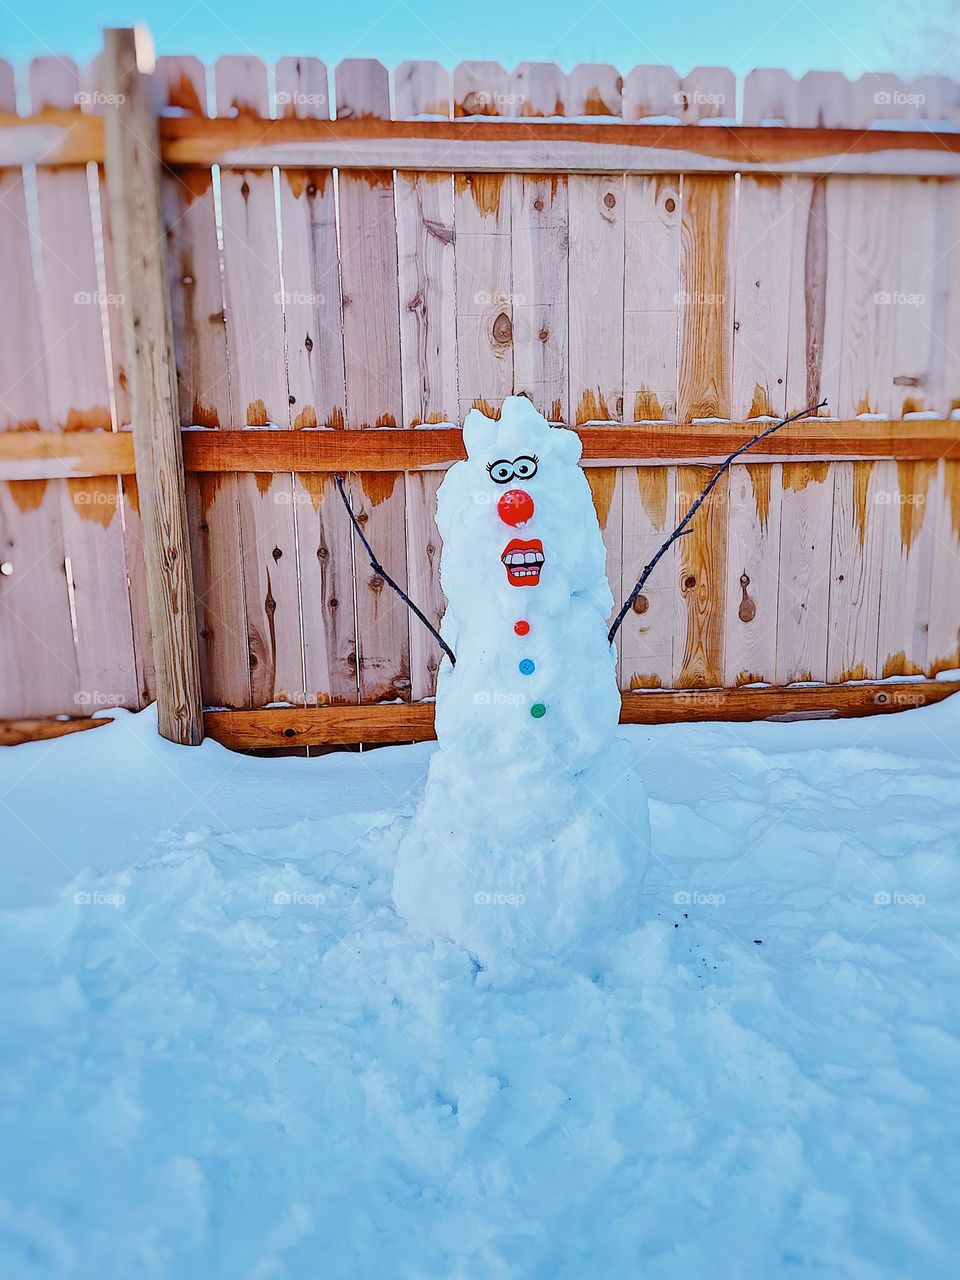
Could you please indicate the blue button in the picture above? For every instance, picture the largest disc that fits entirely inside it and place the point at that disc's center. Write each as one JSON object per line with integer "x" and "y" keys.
{"x": 526, "y": 667}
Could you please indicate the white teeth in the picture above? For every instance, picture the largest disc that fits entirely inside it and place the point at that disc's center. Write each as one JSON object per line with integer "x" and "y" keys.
{"x": 523, "y": 557}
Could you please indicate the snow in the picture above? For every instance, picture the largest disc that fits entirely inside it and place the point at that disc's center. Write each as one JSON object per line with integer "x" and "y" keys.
{"x": 225, "y": 1055}
{"x": 532, "y": 799}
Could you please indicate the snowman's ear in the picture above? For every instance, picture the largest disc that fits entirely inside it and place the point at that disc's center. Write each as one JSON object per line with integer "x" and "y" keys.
{"x": 479, "y": 432}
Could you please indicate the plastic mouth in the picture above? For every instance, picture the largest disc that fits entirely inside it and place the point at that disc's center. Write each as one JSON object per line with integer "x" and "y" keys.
{"x": 523, "y": 562}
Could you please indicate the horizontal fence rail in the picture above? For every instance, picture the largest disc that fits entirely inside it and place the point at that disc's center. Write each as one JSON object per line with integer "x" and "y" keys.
{"x": 353, "y": 261}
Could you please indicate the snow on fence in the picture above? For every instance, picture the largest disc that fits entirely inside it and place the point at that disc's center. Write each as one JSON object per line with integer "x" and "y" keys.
{"x": 353, "y": 259}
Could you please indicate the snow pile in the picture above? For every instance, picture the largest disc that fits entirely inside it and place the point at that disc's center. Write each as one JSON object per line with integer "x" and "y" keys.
{"x": 533, "y": 800}
{"x": 223, "y": 1056}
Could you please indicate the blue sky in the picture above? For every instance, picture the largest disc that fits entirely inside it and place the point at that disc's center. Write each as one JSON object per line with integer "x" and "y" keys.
{"x": 847, "y": 35}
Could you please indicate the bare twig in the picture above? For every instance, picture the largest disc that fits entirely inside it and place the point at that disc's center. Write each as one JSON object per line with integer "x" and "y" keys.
{"x": 683, "y": 527}
{"x": 377, "y": 567}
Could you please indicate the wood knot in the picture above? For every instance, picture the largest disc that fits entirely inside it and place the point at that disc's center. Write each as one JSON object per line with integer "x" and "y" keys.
{"x": 322, "y": 553}
{"x": 670, "y": 204}
{"x": 308, "y": 342}
{"x": 334, "y": 602}
{"x": 641, "y": 604}
{"x": 538, "y": 203}
{"x": 245, "y": 189}
{"x": 376, "y": 582}
{"x": 291, "y": 399}
{"x": 610, "y": 200}
{"x": 748, "y": 609}
{"x": 311, "y": 189}
{"x": 276, "y": 553}
{"x": 543, "y": 335}
{"x": 689, "y": 582}
{"x": 502, "y": 329}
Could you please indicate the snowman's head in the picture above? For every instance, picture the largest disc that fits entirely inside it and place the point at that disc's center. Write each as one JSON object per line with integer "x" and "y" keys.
{"x": 518, "y": 463}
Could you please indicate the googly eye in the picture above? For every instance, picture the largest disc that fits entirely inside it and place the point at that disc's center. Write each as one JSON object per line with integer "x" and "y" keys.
{"x": 524, "y": 468}
{"x": 501, "y": 471}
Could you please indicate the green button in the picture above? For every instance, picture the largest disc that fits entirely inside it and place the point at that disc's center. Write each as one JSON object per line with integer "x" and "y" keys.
{"x": 538, "y": 710}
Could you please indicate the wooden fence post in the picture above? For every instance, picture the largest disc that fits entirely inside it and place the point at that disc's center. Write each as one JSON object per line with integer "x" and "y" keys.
{"x": 133, "y": 184}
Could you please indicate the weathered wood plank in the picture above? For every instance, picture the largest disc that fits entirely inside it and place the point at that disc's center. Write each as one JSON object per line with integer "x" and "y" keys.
{"x": 37, "y": 649}
{"x": 753, "y": 574}
{"x": 371, "y": 336}
{"x": 342, "y": 725}
{"x": 133, "y": 175}
{"x": 61, "y": 138}
{"x": 909, "y": 495}
{"x": 334, "y": 726}
{"x": 50, "y": 455}
{"x": 206, "y": 399}
{"x": 701, "y": 572}
{"x": 539, "y": 263}
{"x": 253, "y": 311}
{"x": 73, "y": 301}
{"x": 816, "y": 294}
{"x": 646, "y": 638}
{"x": 856, "y": 562}
{"x": 762, "y": 290}
{"x": 806, "y": 522}
{"x": 706, "y": 298}
{"x": 651, "y": 297}
{"x": 428, "y": 356}
{"x": 595, "y": 350}
{"x": 484, "y": 274}
{"x": 943, "y": 640}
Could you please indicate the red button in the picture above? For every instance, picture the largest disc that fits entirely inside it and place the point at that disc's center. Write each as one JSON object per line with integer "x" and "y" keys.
{"x": 515, "y": 507}
{"x": 522, "y": 627}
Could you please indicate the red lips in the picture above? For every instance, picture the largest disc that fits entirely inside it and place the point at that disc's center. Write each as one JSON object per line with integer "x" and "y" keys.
{"x": 523, "y": 562}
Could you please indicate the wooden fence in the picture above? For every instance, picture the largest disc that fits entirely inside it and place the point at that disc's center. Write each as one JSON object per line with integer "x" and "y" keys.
{"x": 345, "y": 265}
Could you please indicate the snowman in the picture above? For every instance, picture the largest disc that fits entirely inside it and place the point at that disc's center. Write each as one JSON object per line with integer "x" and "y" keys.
{"x": 532, "y": 835}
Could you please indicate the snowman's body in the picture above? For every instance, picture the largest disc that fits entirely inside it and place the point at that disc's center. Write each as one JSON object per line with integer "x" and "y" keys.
{"x": 532, "y": 832}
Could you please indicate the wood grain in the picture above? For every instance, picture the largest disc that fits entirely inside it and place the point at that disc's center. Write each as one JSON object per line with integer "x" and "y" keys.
{"x": 134, "y": 189}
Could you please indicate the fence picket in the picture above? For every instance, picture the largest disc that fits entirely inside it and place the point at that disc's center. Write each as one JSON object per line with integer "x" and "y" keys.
{"x": 313, "y": 316}
{"x": 428, "y": 356}
{"x": 79, "y": 395}
{"x": 35, "y": 616}
{"x": 646, "y": 639}
{"x": 200, "y": 344}
{"x": 371, "y": 338}
{"x": 594, "y": 89}
{"x": 806, "y": 521}
{"x": 253, "y": 316}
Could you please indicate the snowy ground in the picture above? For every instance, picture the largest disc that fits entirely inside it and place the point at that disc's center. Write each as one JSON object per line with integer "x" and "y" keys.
{"x": 223, "y": 1056}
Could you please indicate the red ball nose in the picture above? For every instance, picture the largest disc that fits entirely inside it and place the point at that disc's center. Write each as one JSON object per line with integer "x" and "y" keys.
{"x": 515, "y": 507}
